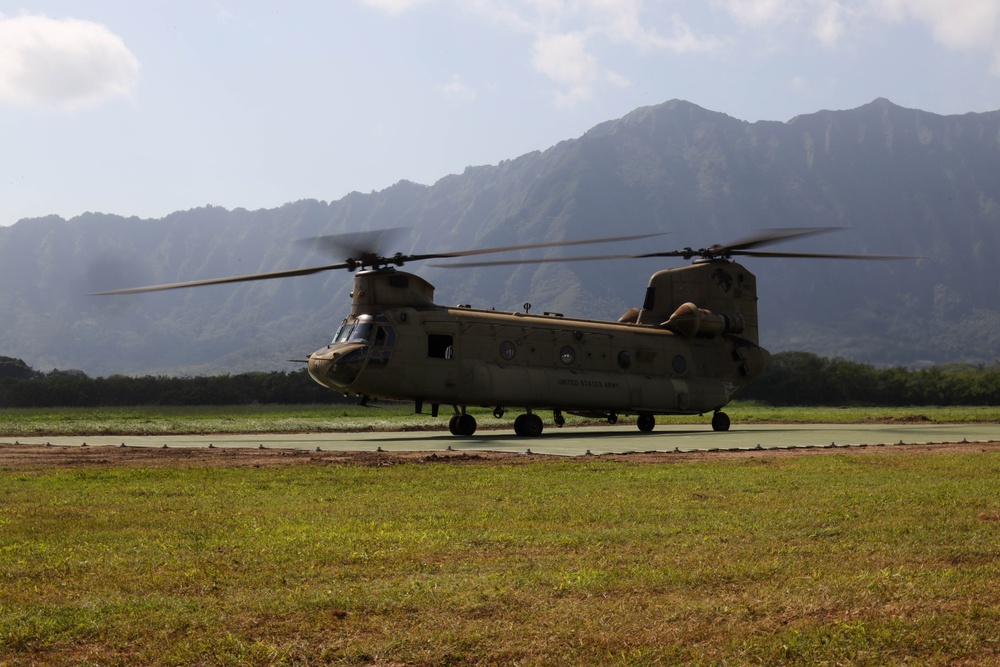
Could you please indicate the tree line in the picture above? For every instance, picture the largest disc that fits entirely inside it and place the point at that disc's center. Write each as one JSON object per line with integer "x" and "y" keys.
{"x": 803, "y": 378}
{"x": 23, "y": 387}
{"x": 791, "y": 378}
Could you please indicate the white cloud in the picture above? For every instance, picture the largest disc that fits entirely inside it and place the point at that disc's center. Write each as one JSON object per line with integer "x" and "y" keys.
{"x": 564, "y": 59}
{"x": 830, "y": 24}
{"x": 456, "y": 90}
{"x": 684, "y": 40}
{"x": 961, "y": 25}
{"x": 757, "y": 13}
{"x": 394, "y": 7}
{"x": 66, "y": 64}
{"x": 565, "y": 33}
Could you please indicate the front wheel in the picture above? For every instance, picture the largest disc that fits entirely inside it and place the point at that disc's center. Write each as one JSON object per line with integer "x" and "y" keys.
{"x": 462, "y": 425}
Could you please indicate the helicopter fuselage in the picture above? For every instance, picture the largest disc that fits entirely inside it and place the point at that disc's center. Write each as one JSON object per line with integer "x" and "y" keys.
{"x": 397, "y": 344}
{"x": 691, "y": 348}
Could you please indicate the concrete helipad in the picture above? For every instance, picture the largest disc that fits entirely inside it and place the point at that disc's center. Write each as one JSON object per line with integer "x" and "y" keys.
{"x": 569, "y": 441}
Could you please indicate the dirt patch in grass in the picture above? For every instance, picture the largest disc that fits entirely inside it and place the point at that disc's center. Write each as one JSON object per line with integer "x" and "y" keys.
{"x": 26, "y": 457}
{"x": 905, "y": 419}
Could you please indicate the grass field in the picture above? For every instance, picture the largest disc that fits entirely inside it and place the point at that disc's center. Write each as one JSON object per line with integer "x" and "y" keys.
{"x": 858, "y": 558}
{"x": 847, "y": 558}
{"x": 319, "y": 418}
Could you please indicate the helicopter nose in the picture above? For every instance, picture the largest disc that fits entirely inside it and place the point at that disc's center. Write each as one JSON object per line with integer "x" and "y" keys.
{"x": 337, "y": 366}
{"x": 319, "y": 363}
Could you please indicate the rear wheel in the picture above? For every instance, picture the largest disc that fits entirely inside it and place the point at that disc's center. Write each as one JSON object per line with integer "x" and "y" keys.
{"x": 720, "y": 421}
{"x": 646, "y": 423}
{"x": 528, "y": 426}
{"x": 466, "y": 425}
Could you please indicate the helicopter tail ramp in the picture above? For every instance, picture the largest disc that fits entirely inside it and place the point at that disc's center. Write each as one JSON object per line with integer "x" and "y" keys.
{"x": 721, "y": 287}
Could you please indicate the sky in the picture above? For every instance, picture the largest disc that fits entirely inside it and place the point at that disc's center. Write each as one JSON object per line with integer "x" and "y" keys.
{"x": 143, "y": 108}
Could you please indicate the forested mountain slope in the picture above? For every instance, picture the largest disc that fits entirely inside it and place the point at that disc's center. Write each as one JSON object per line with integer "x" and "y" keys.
{"x": 901, "y": 181}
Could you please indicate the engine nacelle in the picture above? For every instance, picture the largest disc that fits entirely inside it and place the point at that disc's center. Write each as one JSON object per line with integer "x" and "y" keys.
{"x": 689, "y": 321}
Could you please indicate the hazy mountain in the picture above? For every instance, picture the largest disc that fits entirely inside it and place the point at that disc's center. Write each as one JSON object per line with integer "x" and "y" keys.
{"x": 902, "y": 181}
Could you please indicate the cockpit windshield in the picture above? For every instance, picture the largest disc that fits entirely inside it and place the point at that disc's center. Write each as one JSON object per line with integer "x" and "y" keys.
{"x": 359, "y": 331}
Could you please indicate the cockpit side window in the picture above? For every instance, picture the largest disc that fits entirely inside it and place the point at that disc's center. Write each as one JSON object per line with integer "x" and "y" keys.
{"x": 342, "y": 333}
{"x": 385, "y": 336}
{"x": 381, "y": 350}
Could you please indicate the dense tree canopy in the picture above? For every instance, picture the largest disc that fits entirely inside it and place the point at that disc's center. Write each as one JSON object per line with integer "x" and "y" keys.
{"x": 792, "y": 378}
{"x": 803, "y": 378}
{"x": 75, "y": 389}
{"x": 15, "y": 368}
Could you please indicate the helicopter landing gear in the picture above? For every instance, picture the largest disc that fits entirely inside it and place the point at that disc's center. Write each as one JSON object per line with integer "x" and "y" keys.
{"x": 613, "y": 418}
{"x": 557, "y": 417}
{"x": 646, "y": 422}
{"x": 528, "y": 425}
{"x": 462, "y": 425}
{"x": 499, "y": 412}
{"x": 720, "y": 421}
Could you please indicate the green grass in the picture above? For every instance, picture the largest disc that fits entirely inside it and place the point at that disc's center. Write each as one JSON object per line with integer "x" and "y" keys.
{"x": 840, "y": 559}
{"x": 155, "y": 420}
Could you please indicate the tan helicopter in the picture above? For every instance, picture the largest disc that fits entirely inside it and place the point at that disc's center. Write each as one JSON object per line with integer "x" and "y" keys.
{"x": 690, "y": 349}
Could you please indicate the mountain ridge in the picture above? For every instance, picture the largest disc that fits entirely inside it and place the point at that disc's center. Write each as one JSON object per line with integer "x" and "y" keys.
{"x": 903, "y": 181}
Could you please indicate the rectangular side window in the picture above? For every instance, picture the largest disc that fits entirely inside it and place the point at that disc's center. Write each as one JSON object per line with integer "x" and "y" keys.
{"x": 440, "y": 346}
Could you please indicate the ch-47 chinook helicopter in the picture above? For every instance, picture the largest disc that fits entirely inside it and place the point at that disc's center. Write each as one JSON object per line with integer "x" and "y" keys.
{"x": 690, "y": 349}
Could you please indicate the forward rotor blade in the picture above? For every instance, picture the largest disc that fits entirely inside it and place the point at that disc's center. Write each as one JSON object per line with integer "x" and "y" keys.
{"x": 356, "y": 244}
{"x": 536, "y": 260}
{"x": 221, "y": 281}
{"x": 361, "y": 238}
{"x": 530, "y": 246}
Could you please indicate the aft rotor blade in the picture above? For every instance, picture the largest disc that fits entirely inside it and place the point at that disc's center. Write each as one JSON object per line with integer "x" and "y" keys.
{"x": 221, "y": 281}
{"x": 674, "y": 253}
{"x": 741, "y": 247}
{"x": 769, "y": 236}
{"x": 820, "y": 255}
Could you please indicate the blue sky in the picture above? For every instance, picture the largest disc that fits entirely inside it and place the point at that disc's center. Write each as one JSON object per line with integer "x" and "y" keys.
{"x": 145, "y": 108}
